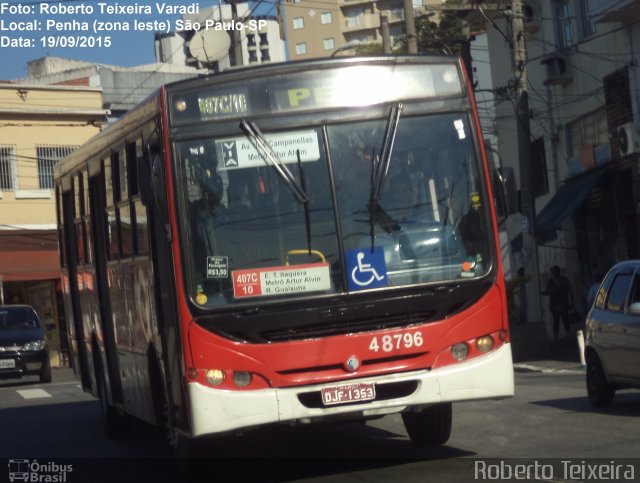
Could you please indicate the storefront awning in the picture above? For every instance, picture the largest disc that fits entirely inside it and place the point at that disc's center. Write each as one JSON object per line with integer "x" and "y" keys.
{"x": 569, "y": 197}
{"x": 28, "y": 255}
{"x": 18, "y": 266}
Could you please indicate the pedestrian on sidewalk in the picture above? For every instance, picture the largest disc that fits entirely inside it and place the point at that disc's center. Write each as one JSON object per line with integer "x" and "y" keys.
{"x": 561, "y": 302}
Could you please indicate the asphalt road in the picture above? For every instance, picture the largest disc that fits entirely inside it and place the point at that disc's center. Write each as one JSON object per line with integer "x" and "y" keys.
{"x": 550, "y": 417}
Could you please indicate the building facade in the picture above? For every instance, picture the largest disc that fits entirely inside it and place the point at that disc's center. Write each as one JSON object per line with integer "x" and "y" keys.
{"x": 39, "y": 125}
{"x": 319, "y": 29}
{"x": 583, "y": 68}
{"x": 122, "y": 87}
{"x": 207, "y": 40}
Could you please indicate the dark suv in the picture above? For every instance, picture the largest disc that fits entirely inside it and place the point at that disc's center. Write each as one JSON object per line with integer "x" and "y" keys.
{"x": 23, "y": 348}
{"x": 613, "y": 334}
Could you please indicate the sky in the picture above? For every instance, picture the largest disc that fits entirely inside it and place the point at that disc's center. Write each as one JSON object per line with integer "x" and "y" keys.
{"x": 31, "y": 29}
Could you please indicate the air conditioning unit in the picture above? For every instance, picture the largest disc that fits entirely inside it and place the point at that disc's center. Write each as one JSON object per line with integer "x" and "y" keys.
{"x": 556, "y": 71}
{"x": 629, "y": 138}
{"x": 531, "y": 19}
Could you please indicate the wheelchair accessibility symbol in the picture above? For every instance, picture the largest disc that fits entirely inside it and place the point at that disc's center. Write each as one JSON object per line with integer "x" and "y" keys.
{"x": 366, "y": 269}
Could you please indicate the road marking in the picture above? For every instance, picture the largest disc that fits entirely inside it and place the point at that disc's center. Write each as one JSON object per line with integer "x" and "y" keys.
{"x": 33, "y": 393}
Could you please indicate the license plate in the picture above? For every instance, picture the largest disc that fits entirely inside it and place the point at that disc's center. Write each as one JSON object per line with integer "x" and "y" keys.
{"x": 347, "y": 393}
{"x": 7, "y": 363}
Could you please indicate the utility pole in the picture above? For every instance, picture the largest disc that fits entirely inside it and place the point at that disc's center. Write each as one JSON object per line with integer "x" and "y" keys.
{"x": 410, "y": 27}
{"x": 386, "y": 38}
{"x": 236, "y": 34}
{"x": 528, "y": 209}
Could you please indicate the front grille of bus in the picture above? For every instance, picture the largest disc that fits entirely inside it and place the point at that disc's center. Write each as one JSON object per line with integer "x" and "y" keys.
{"x": 346, "y": 327}
{"x": 267, "y": 325}
{"x": 384, "y": 392}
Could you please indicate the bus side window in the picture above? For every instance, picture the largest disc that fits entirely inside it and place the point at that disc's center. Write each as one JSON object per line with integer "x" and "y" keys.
{"x": 61, "y": 240}
{"x": 78, "y": 214}
{"x": 112, "y": 228}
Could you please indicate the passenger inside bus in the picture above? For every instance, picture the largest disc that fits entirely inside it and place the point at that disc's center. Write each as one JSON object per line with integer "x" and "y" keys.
{"x": 208, "y": 212}
{"x": 400, "y": 199}
{"x": 238, "y": 200}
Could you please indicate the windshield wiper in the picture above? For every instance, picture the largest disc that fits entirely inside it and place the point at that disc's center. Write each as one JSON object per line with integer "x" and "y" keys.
{"x": 381, "y": 167}
{"x": 256, "y": 137}
{"x": 307, "y": 214}
{"x": 299, "y": 191}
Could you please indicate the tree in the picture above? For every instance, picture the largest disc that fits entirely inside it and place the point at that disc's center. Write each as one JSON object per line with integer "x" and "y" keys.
{"x": 441, "y": 33}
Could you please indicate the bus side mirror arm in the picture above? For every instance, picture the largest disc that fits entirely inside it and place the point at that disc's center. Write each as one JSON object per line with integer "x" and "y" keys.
{"x": 506, "y": 196}
{"x": 150, "y": 180}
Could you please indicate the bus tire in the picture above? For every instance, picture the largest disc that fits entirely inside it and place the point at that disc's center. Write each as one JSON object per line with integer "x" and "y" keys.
{"x": 188, "y": 458}
{"x": 430, "y": 427}
{"x": 599, "y": 391}
{"x": 116, "y": 425}
{"x": 164, "y": 422}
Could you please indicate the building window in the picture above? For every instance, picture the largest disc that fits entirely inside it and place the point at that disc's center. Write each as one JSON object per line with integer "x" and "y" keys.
{"x": 354, "y": 17}
{"x": 7, "y": 167}
{"x": 563, "y": 24}
{"x": 298, "y": 23}
{"x": 48, "y": 156}
{"x": 329, "y": 44}
{"x": 301, "y": 49}
{"x": 263, "y": 39}
{"x": 589, "y": 129}
{"x": 397, "y": 11}
{"x": 587, "y": 26}
{"x": 253, "y": 56}
{"x": 325, "y": 18}
{"x": 251, "y": 40}
{"x": 265, "y": 55}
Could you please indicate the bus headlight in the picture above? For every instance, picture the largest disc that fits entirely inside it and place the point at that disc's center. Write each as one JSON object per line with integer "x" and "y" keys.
{"x": 460, "y": 351}
{"x": 241, "y": 378}
{"x": 215, "y": 377}
{"x": 484, "y": 344}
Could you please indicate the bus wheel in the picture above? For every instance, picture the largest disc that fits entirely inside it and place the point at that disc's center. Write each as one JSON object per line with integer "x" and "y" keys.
{"x": 600, "y": 392}
{"x": 188, "y": 462}
{"x": 430, "y": 427}
{"x": 116, "y": 425}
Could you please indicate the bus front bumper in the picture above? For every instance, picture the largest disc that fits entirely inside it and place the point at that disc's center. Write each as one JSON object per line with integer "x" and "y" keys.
{"x": 487, "y": 377}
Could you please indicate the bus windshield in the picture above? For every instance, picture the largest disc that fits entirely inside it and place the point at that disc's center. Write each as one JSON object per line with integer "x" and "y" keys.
{"x": 249, "y": 236}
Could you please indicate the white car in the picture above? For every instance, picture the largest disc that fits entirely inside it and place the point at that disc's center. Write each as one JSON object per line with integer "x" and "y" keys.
{"x": 613, "y": 334}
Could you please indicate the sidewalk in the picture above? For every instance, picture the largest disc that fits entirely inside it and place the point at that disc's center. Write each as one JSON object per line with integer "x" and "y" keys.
{"x": 533, "y": 352}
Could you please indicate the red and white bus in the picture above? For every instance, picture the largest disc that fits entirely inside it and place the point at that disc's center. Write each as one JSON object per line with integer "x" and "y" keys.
{"x": 295, "y": 243}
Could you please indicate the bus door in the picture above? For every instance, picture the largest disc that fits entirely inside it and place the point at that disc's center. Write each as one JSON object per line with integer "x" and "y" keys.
{"x": 99, "y": 237}
{"x": 76, "y": 328}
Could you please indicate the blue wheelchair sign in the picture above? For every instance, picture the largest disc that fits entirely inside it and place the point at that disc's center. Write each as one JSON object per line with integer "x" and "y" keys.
{"x": 366, "y": 269}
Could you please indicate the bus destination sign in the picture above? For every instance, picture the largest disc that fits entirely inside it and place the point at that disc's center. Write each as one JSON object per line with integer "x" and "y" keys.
{"x": 223, "y": 104}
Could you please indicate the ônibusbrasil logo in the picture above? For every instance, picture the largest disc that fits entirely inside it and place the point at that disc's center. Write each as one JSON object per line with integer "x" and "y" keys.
{"x": 38, "y": 472}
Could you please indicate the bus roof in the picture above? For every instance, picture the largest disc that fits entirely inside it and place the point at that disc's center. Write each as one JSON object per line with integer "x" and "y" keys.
{"x": 102, "y": 144}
